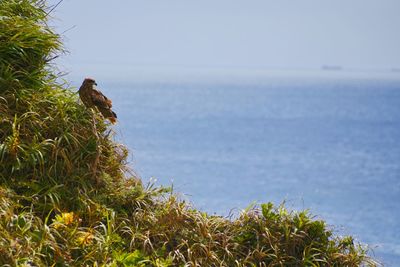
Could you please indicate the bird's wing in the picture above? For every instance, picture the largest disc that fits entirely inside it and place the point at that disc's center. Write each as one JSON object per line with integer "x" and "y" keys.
{"x": 100, "y": 100}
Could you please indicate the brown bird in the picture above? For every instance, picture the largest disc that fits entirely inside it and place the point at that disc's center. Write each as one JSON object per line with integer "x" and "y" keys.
{"x": 94, "y": 98}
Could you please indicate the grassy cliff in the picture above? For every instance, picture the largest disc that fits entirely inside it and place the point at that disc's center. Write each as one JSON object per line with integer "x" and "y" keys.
{"x": 67, "y": 197}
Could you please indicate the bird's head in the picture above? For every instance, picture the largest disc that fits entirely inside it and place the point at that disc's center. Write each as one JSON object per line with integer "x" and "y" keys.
{"x": 89, "y": 81}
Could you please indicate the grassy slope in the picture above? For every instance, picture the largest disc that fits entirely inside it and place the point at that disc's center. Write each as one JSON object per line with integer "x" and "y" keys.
{"x": 65, "y": 197}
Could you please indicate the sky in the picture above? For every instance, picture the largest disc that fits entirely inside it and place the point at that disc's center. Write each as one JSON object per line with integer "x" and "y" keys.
{"x": 230, "y": 34}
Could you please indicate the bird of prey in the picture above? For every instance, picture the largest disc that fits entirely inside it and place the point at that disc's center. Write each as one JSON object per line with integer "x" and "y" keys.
{"x": 92, "y": 98}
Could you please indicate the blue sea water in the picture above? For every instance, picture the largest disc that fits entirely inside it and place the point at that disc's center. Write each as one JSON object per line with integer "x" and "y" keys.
{"x": 327, "y": 144}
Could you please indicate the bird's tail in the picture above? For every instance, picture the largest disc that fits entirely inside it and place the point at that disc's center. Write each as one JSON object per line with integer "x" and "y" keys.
{"x": 112, "y": 120}
{"x": 109, "y": 114}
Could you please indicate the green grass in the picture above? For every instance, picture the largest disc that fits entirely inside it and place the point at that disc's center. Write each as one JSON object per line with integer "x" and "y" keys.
{"x": 68, "y": 198}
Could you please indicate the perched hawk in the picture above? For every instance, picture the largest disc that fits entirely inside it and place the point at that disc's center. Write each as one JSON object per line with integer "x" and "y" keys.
{"x": 94, "y": 98}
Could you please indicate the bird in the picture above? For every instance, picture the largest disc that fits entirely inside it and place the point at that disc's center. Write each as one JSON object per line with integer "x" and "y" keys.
{"x": 93, "y": 98}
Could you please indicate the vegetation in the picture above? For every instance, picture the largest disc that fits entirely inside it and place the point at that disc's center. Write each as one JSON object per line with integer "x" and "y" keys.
{"x": 67, "y": 197}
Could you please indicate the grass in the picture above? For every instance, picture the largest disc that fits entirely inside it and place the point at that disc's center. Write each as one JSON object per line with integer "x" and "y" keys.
{"x": 67, "y": 197}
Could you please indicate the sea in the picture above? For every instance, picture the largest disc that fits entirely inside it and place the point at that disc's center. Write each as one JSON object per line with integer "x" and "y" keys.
{"x": 328, "y": 142}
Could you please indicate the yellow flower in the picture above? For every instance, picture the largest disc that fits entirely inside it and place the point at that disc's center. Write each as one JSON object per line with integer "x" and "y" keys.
{"x": 85, "y": 238}
{"x": 65, "y": 218}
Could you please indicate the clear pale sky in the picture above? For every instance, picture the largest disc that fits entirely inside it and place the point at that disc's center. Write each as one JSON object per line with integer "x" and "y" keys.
{"x": 231, "y": 33}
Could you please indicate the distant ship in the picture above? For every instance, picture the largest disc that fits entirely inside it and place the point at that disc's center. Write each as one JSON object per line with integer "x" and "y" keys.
{"x": 331, "y": 67}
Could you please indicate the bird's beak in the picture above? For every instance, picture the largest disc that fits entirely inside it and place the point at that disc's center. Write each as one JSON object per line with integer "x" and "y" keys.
{"x": 95, "y": 84}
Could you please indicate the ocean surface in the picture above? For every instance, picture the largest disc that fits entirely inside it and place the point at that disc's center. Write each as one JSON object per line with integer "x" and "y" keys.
{"x": 330, "y": 144}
